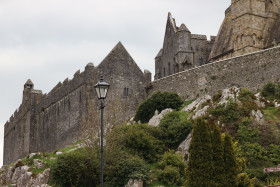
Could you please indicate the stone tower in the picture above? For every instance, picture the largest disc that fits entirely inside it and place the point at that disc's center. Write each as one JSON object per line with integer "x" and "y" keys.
{"x": 247, "y": 27}
{"x": 181, "y": 50}
{"x": 28, "y": 87}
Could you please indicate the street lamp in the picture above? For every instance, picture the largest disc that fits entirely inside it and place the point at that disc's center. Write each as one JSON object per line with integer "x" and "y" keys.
{"x": 101, "y": 89}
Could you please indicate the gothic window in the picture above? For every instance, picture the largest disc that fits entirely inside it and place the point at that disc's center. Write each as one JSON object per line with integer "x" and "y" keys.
{"x": 125, "y": 92}
{"x": 164, "y": 72}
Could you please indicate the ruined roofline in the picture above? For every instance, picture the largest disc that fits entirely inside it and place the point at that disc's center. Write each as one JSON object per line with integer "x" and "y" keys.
{"x": 121, "y": 46}
{"x": 220, "y": 61}
{"x": 172, "y": 21}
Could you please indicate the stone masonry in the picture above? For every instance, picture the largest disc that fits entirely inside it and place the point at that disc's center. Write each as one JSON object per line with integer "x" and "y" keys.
{"x": 244, "y": 54}
{"x": 46, "y": 122}
{"x": 181, "y": 50}
{"x": 249, "y": 26}
{"x": 247, "y": 71}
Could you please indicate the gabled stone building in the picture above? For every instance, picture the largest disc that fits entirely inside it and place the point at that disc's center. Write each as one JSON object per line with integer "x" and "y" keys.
{"x": 46, "y": 122}
{"x": 181, "y": 50}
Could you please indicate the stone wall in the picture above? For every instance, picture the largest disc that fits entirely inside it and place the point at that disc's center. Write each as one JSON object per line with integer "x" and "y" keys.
{"x": 70, "y": 111}
{"x": 181, "y": 50}
{"x": 248, "y": 71}
{"x": 249, "y": 26}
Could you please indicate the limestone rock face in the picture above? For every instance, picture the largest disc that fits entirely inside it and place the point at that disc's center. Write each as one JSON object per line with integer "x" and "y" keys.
{"x": 230, "y": 93}
{"x": 258, "y": 116}
{"x": 39, "y": 164}
{"x": 21, "y": 176}
{"x": 155, "y": 120}
{"x": 134, "y": 183}
{"x": 183, "y": 148}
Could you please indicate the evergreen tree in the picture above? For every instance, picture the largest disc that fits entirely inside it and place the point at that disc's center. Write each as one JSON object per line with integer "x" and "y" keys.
{"x": 229, "y": 162}
{"x": 218, "y": 160}
{"x": 200, "y": 166}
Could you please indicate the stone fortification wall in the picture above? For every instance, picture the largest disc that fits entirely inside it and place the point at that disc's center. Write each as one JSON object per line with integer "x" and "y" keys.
{"x": 70, "y": 110}
{"x": 50, "y": 121}
{"x": 248, "y": 71}
{"x": 16, "y": 133}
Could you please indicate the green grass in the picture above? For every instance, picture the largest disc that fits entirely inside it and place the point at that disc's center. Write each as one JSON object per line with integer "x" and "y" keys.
{"x": 272, "y": 114}
{"x": 186, "y": 103}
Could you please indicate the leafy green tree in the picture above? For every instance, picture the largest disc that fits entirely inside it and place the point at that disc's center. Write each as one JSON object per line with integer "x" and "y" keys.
{"x": 218, "y": 161}
{"x": 200, "y": 165}
{"x": 158, "y": 101}
{"x": 229, "y": 162}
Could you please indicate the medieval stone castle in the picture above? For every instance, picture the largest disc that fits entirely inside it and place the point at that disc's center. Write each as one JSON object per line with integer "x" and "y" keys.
{"x": 245, "y": 53}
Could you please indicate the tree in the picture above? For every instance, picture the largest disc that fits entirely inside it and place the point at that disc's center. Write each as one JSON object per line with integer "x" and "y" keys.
{"x": 200, "y": 166}
{"x": 229, "y": 162}
{"x": 158, "y": 101}
{"x": 218, "y": 161}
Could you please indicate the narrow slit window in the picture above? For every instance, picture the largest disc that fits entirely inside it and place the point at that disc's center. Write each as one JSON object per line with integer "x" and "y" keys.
{"x": 126, "y": 92}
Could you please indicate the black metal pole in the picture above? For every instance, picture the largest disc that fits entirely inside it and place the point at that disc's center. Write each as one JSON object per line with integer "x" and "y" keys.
{"x": 101, "y": 108}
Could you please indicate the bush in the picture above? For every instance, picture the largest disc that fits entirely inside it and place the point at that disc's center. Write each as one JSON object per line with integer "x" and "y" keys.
{"x": 140, "y": 142}
{"x": 171, "y": 169}
{"x": 274, "y": 154}
{"x": 271, "y": 91}
{"x": 120, "y": 167}
{"x": 77, "y": 168}
{"x": 158, "y": 101}
{"x": 173, "y": 130}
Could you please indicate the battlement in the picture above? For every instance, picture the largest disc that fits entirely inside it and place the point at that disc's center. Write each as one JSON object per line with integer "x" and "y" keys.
{"x": 198, "y": 37}
{"x": 16, "y": 116}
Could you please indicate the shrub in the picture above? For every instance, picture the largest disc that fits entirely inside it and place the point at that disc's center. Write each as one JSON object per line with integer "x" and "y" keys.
{"x": 171, "y": 169}
{"x": 268, "y": 90}
{"x": 246, "y": 133}
{"x": 254, "y": 153}
{"x": 274, "y": 153}
{"x": 158, "y": 101}
{"x": 77, "y": 168}
{"x": 271, "y": 91}
{"x": 120, "y": 167}
{"x": 139, "y": 141}
{"x": 173, "y": 130}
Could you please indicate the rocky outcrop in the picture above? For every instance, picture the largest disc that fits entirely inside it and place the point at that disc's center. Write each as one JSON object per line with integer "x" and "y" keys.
{"x": 134, "y": 183}
{"x": 20, "y": 175}
{"x": 155, "y": 120}
{"x": 183, "y": 148}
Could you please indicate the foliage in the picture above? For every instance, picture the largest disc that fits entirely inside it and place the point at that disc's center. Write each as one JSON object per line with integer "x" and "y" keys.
{"x": 274, "y": 153}
{"x": 243, "y": 180}
{"x": 229, "y": 162}
{"x": 217, "y": 97}
{"x": 137, "y": 139}
{"x": 218, "y": 152}
{"x": 272, "y": 114}
{"x": 255, "y": 153}
{"x": 246, "y": 133}
{"x": 271, "y": 91}
{"x": 171, "y": 169}
{"x": 173, "y": 130}
{"x": 247, "y": 99}
{"x": 158, "y": 101}
{"x": 200, "y": 166}
{"x": 120, "y": 167}
{"x": 77, "y": 168}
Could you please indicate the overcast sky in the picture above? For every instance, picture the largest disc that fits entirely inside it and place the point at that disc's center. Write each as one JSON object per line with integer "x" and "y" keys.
{"x": 48, "y": 41}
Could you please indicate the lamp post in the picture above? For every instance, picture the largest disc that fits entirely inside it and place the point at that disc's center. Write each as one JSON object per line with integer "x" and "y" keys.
{"x": 101, "y": 89}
